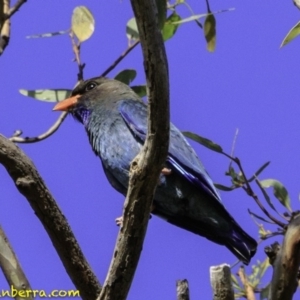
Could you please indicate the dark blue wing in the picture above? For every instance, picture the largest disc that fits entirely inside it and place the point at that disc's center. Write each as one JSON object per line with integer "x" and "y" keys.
{"x": 181, "y": 155}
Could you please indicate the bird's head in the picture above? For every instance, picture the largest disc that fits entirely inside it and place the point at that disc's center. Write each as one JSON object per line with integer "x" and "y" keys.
{"x": 94, "y": 94}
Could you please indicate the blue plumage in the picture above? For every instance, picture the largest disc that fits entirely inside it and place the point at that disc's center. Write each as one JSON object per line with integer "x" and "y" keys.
{"x": 116, "y": 122}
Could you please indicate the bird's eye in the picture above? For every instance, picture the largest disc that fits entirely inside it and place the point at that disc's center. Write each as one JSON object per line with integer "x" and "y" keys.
{"x": 90, "y": 86}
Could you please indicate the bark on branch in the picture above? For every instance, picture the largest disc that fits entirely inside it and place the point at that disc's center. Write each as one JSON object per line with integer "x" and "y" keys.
{"x": 146, "y": 167}
{"x": 220, "y": 280}
{"x": 31, "y": 185}
{"x": 286, "y": 265}
{"x": 12, "y": 269}
{"x": 183, "y": 291}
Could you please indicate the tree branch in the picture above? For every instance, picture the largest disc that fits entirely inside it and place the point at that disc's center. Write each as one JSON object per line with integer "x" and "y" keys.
{"x": 4, "y": 26}
{"x": 220, "y": 280}
{"x": 11, "y": 267}
{"x": 120, "y": 58}
{"x": 183, "y": 292}
{"x": 49, "y": 132}
{"x": 248, "y": 288}
{"x": 146, "y": 167}
{"x": 15, "y": 8}
{"x": 286, "y": 264}
{"x": 31, "y": 185}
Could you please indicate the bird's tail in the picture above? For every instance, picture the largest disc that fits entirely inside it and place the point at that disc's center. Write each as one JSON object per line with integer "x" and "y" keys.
{"x": 242, "y": 245}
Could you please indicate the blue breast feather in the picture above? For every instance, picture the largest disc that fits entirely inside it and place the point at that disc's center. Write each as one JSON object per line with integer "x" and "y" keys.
{"x": 181, "y": 156}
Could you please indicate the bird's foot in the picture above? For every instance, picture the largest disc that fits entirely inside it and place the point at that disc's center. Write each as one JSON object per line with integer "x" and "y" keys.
{"x": 166, "y": 171}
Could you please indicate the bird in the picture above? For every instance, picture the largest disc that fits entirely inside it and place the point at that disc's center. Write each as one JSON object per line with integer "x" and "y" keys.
{"x": 115, "y": 119}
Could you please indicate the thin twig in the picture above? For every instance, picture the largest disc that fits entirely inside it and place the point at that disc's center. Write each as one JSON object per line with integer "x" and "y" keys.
{"x": 248, "y": 288}
{"x": 120, "y": 58}
{"x": 192, "y": 12}
{"x": 233, "y": 146}
{"x": 49, "y": 132}
{"x": 76, "y": 50}
{"x": 251, "y": 193}
{"x": 15, "y": 8}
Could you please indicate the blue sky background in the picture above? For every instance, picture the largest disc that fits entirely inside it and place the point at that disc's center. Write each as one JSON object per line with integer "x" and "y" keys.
{"x": 248, "y": 83}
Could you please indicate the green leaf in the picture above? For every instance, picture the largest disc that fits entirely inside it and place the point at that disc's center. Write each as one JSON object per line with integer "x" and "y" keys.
{"x": 83, "y": 23}
{"x": 203, "y": 141}
{"x": 197, "y": 17}
{"x": 170, "y": 28}
{"x": 140, "y": 90}
{"x": 265, "y": 194}
{"x": 259, "y": 171}
{"x": 132, "y": 30}
{"x": 279, "y": 191}
{"x": 294, "y": 32}
{"x": 224, "y": 188}
{"x": 162, "y": 12}
{"x": 47, "y": 35}
{"x": 210, "y": 32}
{"x": 48, "y": 95}
{"x": 126, "y": 76}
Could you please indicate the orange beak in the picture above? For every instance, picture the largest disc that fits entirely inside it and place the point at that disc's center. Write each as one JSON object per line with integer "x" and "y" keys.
{"x": 66, "y": 104}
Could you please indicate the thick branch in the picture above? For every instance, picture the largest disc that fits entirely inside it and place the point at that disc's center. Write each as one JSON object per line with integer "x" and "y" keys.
{"x": 183, "y": 292}
{"x": 11, "y": 267}
{"x": 31, "y": 185}
{"x": 5, "y": 26}
{"x": 146, "y": 167}
{"x": 286, "y": 265}
{"x": 220, "y": 280}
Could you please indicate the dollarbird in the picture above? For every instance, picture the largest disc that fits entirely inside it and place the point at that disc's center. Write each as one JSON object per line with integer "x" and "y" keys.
{"x": 115, "y": 119}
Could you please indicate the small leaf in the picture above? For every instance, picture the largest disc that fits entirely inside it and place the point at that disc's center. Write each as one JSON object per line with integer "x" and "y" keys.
{"x": 264, "y": 294}
{"x": 83, "y": 23}
{"x": 162, "y": 12}
{"x": 263, "y": 267}
{"x": 203, "y": 141}
{"x": 294, "y": 32}
{"x": 259, "y": 171}
{"x": 224, "y": 188}
{"x": 279, "y": 191}
{"x": 140, "y": 90}
{"x": 48, "y": 95}
{"x": 47, "y": 35}
{"x": 234, "y": 280}
{"x": 126, "y": 76}
{"x": 210, "y": 32}
{"x": 265, "y": 194}
{"x": 132, "y": 30}
{"x": 170, "y": 28}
